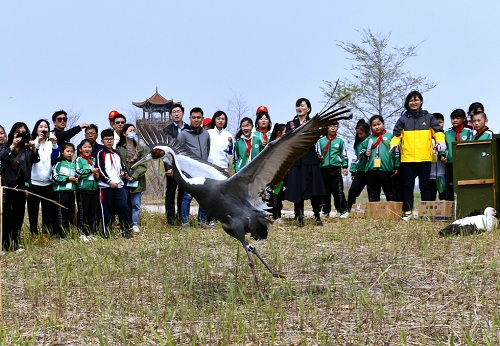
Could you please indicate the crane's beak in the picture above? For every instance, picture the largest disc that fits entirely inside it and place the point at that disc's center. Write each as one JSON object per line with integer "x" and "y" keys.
{"x": 156, "y": 153}
{"x": 146, "y": 158}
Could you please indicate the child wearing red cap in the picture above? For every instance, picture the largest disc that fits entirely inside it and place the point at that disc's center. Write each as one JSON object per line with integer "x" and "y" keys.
{"x": 262, "y": 125}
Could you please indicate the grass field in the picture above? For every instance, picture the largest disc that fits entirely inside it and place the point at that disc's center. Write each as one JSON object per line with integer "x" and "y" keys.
{"x": 351, "y": 282}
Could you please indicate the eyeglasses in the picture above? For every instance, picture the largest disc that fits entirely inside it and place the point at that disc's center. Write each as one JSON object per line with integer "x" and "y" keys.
{"x": 177, "y": 112}
{"x": 119, "y": 122}
{"x": 60, "y": 120}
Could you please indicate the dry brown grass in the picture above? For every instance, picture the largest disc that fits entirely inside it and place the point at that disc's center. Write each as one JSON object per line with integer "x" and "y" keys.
{"x": 351, "y": 282}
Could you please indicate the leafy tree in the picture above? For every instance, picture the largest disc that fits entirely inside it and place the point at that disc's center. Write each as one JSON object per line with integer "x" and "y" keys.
{"x": 379, "y": 81}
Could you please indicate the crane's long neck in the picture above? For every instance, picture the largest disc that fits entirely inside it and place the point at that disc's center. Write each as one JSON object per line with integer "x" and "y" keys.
{"x": 192, "y": 171}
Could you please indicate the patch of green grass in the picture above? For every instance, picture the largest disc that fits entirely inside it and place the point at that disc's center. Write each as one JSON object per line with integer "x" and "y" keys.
{"x": 351, "y": 282}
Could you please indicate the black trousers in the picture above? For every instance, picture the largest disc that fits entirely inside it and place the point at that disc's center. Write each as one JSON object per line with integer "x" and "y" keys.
{"x": 49, "y": 223}
{"x": 13, "y": 217}
{"x": 114, "y": 201}
{"x": 358, "y": 184}
{"x": 315, "y": 203}
{"x": 376, "y": 181}
{"x": 170, "y": 201}
{"x": 334, "y": 186}
{"x": 409, "y": 171}
{"x": 88, "y": 211}
{"x": 65, "y": 217}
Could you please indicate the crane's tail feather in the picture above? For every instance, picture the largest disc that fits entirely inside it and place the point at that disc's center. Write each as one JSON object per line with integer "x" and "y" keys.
{"x": 454, "y": 230}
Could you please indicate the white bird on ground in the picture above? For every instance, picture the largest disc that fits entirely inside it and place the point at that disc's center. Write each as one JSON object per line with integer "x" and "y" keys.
{"x": 472, "y": 224}
{"x": 236, "y": 201}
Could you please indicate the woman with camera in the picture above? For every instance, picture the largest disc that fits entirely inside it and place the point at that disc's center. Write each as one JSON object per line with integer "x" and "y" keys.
{"x": 48, "y": 151}
{"x": 17, "y": 156}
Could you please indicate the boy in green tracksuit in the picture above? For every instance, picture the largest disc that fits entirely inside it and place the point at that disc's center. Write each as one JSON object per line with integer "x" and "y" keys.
{"x": 64, "y": 185}
{"x": 479, "y": 121}
{"x": 333, "y": 163}
{"x": 457, "y": 133}
{"x": 381, "y": 163}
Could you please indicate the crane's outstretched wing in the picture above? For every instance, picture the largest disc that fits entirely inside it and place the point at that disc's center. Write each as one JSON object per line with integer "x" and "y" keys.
{"x": 190, "y": 162}
{"x": 272, "y": 164}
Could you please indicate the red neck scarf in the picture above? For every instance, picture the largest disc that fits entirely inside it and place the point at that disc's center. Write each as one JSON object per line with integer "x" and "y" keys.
{"x": 264, "y": 133}
{"x": 479, "y": 133}
{"x": 249, "y": 145}
{"x": 88, "y": 158}
{"x": 457, "y": 130}
{"x": 330, "y": 139}
{"x": 379, "y": 138}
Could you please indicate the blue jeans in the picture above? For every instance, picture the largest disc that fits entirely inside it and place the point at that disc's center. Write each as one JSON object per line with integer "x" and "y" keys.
{"x": 186, "y": 206}
{"x": 134, "y": 201}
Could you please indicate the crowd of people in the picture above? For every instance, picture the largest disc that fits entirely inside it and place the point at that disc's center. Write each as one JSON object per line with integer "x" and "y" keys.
{"x": 94, "y": 183}
{"x": 87, "y": 185}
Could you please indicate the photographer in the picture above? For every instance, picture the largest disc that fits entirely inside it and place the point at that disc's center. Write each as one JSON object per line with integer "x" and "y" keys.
{"x": 48, "y": 151}
{"x": 17, "y": 156}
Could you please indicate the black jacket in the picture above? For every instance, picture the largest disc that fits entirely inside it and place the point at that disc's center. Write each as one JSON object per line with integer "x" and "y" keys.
{"x": 21, "y": 169}
{"x": 65, "y": 136}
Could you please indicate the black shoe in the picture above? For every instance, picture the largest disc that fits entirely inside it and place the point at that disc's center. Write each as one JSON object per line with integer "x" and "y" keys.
{"x": 127, "y": 234}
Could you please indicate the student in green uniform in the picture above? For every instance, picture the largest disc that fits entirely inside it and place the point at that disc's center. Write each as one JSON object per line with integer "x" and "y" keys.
{"x": 479, "y": 120}
{"x": 64, "y": 185}
{"x": 381, "y": 163}
{"x": 357, "y": 169}
{"x": 457, "y": 133}
{"x": 87, "y": 194}
{"x": 333, "y": 164}
{"x": 247, "y": 146}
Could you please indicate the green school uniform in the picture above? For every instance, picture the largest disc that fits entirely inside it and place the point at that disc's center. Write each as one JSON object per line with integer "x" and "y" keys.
{"x": 388, "y": 161}
{"x": 86, "y": 180}
{"x": 60, "y": 176}
{"x": 334, "y": 155}
{"x": 450, "y": 137}
{"x": 240, "y": 151}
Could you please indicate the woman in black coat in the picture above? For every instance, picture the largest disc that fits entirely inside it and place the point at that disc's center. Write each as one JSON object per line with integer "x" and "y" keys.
{"x": 304, "y": 179}
{"x": 17, "y": 155}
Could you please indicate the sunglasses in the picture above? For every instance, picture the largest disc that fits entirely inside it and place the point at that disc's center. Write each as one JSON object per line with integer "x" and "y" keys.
{"x": 119, "y": 122}
{"x": 60, "y": 120}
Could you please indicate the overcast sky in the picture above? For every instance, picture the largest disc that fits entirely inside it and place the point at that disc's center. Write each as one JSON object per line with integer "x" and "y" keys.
{"x": 90, "y": 57}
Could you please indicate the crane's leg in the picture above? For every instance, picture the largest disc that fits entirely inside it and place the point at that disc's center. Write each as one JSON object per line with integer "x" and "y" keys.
{"x": 251, "y": 263}
{"x": 252, "y": 249}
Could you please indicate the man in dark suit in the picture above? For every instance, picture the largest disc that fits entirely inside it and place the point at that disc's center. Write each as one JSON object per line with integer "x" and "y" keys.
{"x": 177, "y": 125}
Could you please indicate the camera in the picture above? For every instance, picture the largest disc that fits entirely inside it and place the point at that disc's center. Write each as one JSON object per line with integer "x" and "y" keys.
{"x": 46, "y": 134}
{"x": 25, "y": 137}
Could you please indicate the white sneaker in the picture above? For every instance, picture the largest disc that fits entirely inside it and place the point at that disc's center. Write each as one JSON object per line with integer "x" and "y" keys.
{"x": 84, "y": 238}
{"x": 345, "y": 215}
{"x": 20, "y": 250}
{"x": 136, "y": 229}
{"x": 407, "y": 217}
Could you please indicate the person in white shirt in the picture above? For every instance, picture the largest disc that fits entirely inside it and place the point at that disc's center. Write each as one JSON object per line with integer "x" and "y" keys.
{"x": 221, "y": 141}
{"x": 41, "y": 172}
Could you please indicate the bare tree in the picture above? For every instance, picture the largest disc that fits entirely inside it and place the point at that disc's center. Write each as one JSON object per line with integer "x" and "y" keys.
{"x": 379, "y": 82}
{"x": 237, "y": 108}
{"x": 73, "y": 118}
